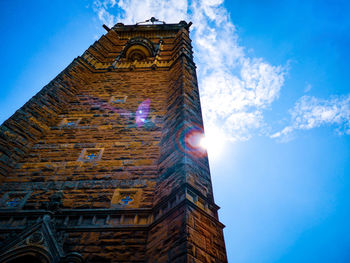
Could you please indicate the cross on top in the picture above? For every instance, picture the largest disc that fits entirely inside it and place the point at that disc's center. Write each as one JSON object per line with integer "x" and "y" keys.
{"x": 126, "y": 200}
{"x": 92, "y": 156}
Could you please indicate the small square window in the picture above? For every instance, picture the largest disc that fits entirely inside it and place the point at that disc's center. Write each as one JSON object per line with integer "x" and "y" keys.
{"x": 69, "y": 122}
{"x": 90, "y": 155}
{"x": 118, "y": 99}
{"x": 13, "y": 200}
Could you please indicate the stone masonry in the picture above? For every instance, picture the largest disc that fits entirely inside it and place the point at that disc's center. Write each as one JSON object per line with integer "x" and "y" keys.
{"x": 103, "y": 164}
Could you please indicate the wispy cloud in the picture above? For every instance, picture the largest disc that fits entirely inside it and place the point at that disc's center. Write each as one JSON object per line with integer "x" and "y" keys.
{"x": 101, "y": 7}
{"x": 235, "y": 89}
{"x": 310, "y": 112}
{"x": 308, "y": 87}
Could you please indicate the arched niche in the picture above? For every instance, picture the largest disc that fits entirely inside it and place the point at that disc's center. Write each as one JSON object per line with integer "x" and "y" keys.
{"x": 30, "y": 254}
{"x": 137, "y": 52}
{"x": 139, "y": 49}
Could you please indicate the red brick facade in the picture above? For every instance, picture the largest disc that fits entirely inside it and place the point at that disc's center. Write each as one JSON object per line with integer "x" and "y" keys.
{"x": 103, "y": 164}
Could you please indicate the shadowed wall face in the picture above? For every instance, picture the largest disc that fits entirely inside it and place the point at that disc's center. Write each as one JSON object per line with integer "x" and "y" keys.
{"x": 110, "y": 149}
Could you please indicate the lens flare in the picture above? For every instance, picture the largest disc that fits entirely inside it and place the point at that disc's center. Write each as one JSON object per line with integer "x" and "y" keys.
{"x": 142, "y": 112}
{"x": 188, "y": 140}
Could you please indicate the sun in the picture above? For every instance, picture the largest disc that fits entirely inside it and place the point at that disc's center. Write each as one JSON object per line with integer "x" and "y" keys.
{"x": 213, "y": 141}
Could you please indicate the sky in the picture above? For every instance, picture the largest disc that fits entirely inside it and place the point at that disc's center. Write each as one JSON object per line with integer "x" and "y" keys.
{"x": 274, "y": 85}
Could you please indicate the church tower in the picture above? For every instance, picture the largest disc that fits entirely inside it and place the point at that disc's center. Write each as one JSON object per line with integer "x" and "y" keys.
{"x": 104, "y": 164}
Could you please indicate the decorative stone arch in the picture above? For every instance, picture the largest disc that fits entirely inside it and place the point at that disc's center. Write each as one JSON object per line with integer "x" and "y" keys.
{"x": 39, "y": 243}
{"x": 35, "y": 254}
{"x": 138, "y": 48}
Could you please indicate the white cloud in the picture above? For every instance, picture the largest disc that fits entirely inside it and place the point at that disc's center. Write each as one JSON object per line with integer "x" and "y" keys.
{"x": 235, "y": 89}
{"x": 133, "y": 11}
{"x": 310, "y": 112}
{"x": 101, "y": 7}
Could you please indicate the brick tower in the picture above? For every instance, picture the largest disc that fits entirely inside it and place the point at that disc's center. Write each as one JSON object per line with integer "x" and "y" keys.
{"x": 104, "y": 163}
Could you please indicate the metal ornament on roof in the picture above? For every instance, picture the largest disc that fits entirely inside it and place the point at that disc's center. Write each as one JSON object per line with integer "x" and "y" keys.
{"x": 152, "y": 20}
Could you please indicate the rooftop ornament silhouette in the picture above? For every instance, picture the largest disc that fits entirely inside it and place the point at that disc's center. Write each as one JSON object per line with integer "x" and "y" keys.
{"x": 152, "y": 20}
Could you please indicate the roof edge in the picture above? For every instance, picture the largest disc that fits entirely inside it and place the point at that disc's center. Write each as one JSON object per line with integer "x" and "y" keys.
{"x": 120, "y": 27}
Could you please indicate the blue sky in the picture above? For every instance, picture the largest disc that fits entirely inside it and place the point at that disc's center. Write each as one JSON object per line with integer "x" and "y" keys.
{"x": 274, "y": 82}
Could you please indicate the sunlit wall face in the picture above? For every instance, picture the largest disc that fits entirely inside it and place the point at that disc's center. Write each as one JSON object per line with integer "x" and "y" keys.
{"x": 189, "y": 138}
{"x": 139, "y": 118}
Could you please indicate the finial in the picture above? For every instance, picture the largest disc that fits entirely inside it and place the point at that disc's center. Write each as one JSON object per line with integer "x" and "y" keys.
{"x": 152, "y": 20}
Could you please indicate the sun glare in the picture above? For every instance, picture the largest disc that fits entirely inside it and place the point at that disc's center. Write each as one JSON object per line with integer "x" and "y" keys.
{"x": 213, "y": 142}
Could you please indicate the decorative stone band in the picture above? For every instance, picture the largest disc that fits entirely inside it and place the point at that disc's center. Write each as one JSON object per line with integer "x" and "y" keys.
{"x": 113, "y": 219}
{"x": 66, "y": 185}
{"x": 96, "y": 65}
{"x": 182, "y": 47}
